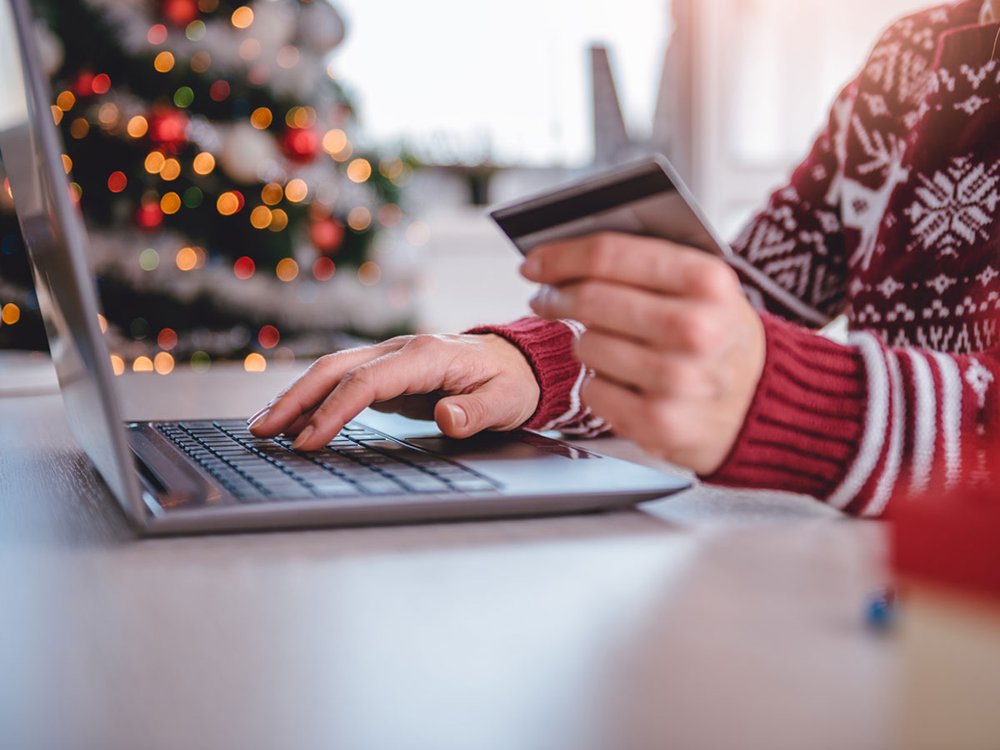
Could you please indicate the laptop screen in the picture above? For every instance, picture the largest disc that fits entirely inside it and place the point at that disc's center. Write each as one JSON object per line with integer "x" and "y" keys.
{"x": 56, "y": 240}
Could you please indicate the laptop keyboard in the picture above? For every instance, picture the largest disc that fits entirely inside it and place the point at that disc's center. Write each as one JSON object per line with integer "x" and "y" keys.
{"x": 358, "y": 461}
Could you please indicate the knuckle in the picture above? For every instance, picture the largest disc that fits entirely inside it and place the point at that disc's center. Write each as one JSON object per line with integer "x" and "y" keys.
{"x": 698, "y": 331}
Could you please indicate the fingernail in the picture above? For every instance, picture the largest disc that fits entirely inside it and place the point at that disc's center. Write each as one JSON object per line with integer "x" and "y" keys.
{"x": 257, "y": 415}
{"x": 458, "y": 416}
{"x": 303, "y": 436}
{"x": 530, "y": 267}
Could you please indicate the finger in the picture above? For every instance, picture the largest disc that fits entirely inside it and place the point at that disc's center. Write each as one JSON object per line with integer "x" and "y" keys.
{"x": 645, "y": 262}
{"x": 493, "y": 406}
{"x": 411, "y": 407}
{"x": 420, "y": 368}
{"x": 637, "y": 366}
{"x": 631, "y": 415}
{"x": 664, "y": 322}
{"x": 310, "y": 388}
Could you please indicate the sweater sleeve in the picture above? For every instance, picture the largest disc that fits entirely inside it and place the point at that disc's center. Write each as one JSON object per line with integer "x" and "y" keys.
{"x": 861, "y": 424}
{"x": 548, "y": 346}
{"x": 791, "y": 256}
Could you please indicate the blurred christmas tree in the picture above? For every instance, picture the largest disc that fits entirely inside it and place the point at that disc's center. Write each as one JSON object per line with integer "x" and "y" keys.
{"x": 213, "y": 154}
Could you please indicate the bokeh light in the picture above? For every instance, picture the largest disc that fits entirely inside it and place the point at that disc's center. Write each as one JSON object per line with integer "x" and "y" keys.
{"x": 195, "y": 30}
{"x": 334, "y": 141}
{"x": 204, "y": 163}
{"x": 268, "y": 336}
{"x": 219, "y": 91}
{"x": 359, "y": 218}
{"x": 10, "y": 313}
{"x": 187, "y": 259}
{"x": 155, "y": 161}
{"x": 137, "y": 127}
{"x": 65, "y": 100}
{"x": 79, "y": 128}
{"x": 102, "y": 323}
{"x": 279, "y": 220}
{"x": 324, "y": 269}
{"x": 244, "y": 268}
{"x": 261, "y": 118}
{"x": 286, "y": 270}
{"x": 201, "y": 361}
{"x": 170, "y": 170}
{"x": 170, "y": 204}
{"x": 166, "y": 339}
{"x": 242, "y": 17}
{"x": 117, "y": 181}
{"x": 67, "y": 163}
{"x": 255, "y": 362}
{"x": 163, "y": 363}
{"x": 157, "y": 34}
{"x": 272, "y": 194}
{"x": 117, "y": 365}
{"x": 201, "y": 61}
{"x": 101, "y": 84}
{"x": 296, "y": 190}
{"x": 149, "y": 259}
{"x": 142, "y": 364}
{"x": 228, "y": 203}
{"x": 260, "y": 217}
{"x": 164, "y": 62}
{"x": 184, "y": 97}
{"x": 359, "y": 170}
{"x": 369, "y": 273}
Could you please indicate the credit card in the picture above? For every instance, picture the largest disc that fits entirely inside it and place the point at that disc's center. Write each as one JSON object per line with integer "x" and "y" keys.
{"x": 645, "y": 197}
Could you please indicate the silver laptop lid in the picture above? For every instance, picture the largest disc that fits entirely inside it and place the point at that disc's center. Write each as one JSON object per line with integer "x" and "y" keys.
{"x": 57, "y": 241}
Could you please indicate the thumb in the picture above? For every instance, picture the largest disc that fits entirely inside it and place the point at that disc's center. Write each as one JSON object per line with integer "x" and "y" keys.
{"x": 483, "y": 409}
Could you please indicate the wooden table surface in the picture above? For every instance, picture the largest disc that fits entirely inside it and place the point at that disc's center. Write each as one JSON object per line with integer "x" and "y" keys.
{"x": 714, "y": 619}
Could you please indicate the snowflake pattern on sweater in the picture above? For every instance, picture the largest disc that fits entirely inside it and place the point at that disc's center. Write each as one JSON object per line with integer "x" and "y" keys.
{"x": 892, "y": 219}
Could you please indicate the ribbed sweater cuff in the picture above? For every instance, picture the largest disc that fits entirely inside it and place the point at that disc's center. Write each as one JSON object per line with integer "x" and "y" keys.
{"x": 548, "y": 346}
{"x": 804, "y": 426}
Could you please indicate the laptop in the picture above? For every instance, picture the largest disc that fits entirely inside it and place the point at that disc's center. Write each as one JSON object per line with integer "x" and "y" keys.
{"x": 212, "y": 474}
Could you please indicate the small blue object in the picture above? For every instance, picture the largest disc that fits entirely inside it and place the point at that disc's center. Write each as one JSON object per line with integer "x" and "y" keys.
{"x": 880, "y": 612}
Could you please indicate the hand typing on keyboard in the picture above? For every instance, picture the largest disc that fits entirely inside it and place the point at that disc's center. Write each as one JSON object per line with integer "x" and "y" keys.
{"x": 467, "y": 383}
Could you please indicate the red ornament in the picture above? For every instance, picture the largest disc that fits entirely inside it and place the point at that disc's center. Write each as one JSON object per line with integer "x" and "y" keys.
{"x": 168, "y": 128}
{"x": 300, "y": 144}
{"x": 326, "y": 235}
{"x": 149, "y": 215}
{"x": 179, "y": 12}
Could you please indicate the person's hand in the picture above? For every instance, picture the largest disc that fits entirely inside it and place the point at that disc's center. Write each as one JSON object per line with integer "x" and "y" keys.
{"x": 467, "y": 383}
{"x": 676, "y": 348}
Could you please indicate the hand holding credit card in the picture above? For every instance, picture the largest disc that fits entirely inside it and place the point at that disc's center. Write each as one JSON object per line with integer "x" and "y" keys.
{"x": 644, "y": 198}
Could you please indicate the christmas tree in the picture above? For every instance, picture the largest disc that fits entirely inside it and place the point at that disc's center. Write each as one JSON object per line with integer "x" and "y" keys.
{"x": 232, "y": 210}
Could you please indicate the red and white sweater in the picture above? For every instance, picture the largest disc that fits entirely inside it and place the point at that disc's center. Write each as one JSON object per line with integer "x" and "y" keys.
{"x": 893, "y": 218}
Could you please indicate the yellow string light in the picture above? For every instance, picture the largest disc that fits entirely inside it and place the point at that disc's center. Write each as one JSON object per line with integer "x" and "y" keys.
{"x": 227, "y": 204}
{"x": 204, "y": 163}
{"x": 67, "y": 163}
{"x": 117, "y": 365}
{"x": 287, "y": 269}
{"x": 261, "y": 118}
{"x": 187, "y": 259}
{"x": 171, "y": 170}
{"x": 254, "y": 362}
{"x": 296, "y": 190}
{"x": 142, "y": 364}
{"x": 260, "y": 217}
{"x": 154, "y": 162}
{"x": 137, "y": 127}
{"x": 79, "y": 128}
{"x": 359, "y": 218}
{"x": 164, "y": 62}
{"x": 65, "y": 100}
{"x": 170, "y": 203}
{"x": 272, "y": 194}
{"x": 359, "y": 170}
{"x": 279, "y": 220}
{"x": 10, "y": 313}
{"x": 242, "y": 17}
{"x": 163, "y": 363}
